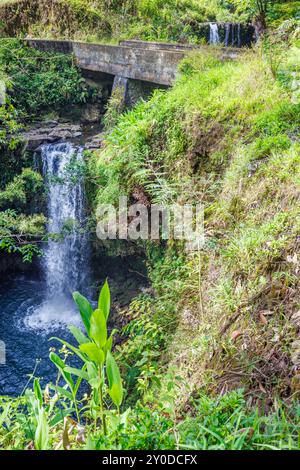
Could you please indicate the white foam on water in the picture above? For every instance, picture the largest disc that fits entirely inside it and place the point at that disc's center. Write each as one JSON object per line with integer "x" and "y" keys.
{"x": 52, "y": 315}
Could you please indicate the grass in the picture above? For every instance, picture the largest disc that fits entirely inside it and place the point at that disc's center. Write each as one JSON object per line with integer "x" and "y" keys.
{"x": 221, "y": 135}
{"x": 209, "y": 359}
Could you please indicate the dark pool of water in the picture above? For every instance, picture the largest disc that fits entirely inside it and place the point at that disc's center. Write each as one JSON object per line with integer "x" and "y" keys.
{"x": 27, "y": 322}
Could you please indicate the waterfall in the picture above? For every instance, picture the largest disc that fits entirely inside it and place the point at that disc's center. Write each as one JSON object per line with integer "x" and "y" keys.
{"x": 65, "y": 262}
{"x": 227, "y": 34}
{"x": 66, "y": 255}
{"x": 239, "y": 39}
{"x": 214, "y": 34}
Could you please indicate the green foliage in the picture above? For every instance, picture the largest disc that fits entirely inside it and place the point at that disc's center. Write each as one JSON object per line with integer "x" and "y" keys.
{"x": 37, "y": 82}
{"x": 170, "y": 20}
{"x": 16, "y": 193}
{"x": 226, "y": 134}
{"x": 218, "y": 423}
{"x": 19, "y": 231}
{"x": 152, "y": 20}
{"x": 9, "y": 126}
{"x": 140, "y": 353}
{"x": 40, "y": 80}
{"x": 95, "y": 352}
{"x": 282, "y": 11}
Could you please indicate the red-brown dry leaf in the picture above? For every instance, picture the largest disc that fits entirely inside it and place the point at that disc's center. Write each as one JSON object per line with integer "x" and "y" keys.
{"x": 263, "y": 319}
{"x": 235, "y": 335}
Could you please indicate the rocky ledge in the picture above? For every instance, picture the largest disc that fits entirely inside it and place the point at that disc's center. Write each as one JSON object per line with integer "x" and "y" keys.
{"x": 95, "y": 142}
{"x": 49, "y": 132}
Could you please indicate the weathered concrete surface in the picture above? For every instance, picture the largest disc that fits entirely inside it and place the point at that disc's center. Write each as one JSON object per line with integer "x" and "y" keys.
{"x": 120, "y": 90}
{"x": 138, "y": 44}
{"x": 147, "y": 64}
{"x": 137, "y": 60}
{"x": 128, "y": 92}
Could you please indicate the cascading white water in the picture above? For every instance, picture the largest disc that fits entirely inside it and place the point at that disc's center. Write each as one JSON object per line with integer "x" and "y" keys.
{"x": 66, "y": 258}
{"x": 65, "y": 262}
{"x": 236, "y": 35}
{"x": 227, "y": 34}
{"x": 214, "y": 37}
{"x": 231, "y": 32}
{"x": 239, "y": 39}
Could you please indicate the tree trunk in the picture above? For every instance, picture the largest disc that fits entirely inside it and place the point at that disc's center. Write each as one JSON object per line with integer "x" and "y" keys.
{"x": 260, "y": 25}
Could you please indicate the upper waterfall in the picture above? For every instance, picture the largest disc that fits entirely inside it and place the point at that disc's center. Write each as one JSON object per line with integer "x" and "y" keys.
{"x": 214, "y": 37}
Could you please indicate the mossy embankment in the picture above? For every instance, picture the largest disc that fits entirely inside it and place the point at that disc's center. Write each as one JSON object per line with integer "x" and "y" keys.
{"x": 211, "y": 353}
{"x": 226, "y": 135}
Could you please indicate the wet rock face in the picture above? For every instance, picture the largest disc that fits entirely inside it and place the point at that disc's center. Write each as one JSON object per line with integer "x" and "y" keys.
{"x": 91, "y": 114}
{"x": 12, "y": 264}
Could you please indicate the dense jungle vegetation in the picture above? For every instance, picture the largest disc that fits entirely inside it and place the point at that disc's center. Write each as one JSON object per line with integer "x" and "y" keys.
{"x": 210, "y": 358}
{"x": 110, "y": 21}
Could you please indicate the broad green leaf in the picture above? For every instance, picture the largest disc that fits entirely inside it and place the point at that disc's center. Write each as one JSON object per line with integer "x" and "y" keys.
{"x": 114, "y": 380}
{"x": 109, "y": 342}
{"x": 95, "y": 382}
{"x": 38, "y": 391}
{"x": 108, "y": 345}
{"x": 78, "y": 335}
{"x": 104, "y": 300}
{"x": 42, "y": 432}
{"x": 78, "y": 372}
{"x": 94, "y": 353}
{"x": 98, "y": 329}
{"x": 116, "y": 393}
{"x": 85, "y": 309}
{"x": 57, "y": 361}
{"x": 92, "y": 370}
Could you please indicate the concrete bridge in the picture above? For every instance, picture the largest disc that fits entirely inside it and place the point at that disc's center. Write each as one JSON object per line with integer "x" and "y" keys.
{"x": 130, "y": 61}
{"x": 137, "y": 60}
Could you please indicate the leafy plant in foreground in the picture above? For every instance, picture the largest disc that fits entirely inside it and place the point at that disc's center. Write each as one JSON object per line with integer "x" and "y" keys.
{"x": 99, "y": 369}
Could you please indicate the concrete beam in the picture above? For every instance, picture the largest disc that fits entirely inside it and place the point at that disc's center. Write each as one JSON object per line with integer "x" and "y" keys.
{"x": 157, "y": 46}
{"x": 120, "y": 90}
{"x": 146, "y": 64}
{"x": 137, "y": 60}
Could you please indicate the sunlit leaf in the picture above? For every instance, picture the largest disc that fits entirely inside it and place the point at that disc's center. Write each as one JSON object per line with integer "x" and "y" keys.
{"x": 114, "y": 380}
{"x": 41, "y": 436}
{"x": 98, "y": 329}
{"x": 94, "y": 353}
{"x": 78, "y": 335}
{"x": 104, "y": 300}
{"x": 85, "y": 309}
